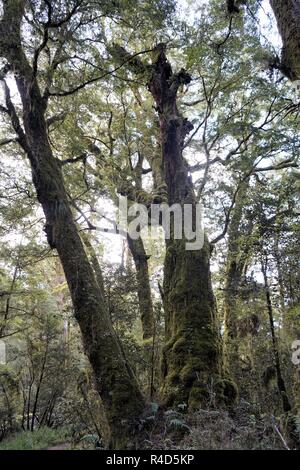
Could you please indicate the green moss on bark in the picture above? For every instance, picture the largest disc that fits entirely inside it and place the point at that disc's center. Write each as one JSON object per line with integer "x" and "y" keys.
{"x": 191, "y": 356}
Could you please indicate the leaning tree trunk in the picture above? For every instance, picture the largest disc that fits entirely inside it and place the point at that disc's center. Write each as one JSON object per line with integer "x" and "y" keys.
{"x": 191, "y": 356}
{"x": 287, "y": 13}
{"x": 114, "y": 380}
{"x": 140, "y": 259}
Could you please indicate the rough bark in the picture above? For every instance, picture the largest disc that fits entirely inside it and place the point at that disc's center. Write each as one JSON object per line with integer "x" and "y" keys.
{"x": 191, "y": 356}
{"x": 114, "y": 380}
{"x": 237, "y": 255}
{"x": 140, "y": 259}
{"x": 287, "y": 14}
{"x": 94, "y": 261}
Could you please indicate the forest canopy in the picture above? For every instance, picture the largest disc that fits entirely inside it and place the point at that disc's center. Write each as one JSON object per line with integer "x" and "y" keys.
{"x": 178, "y": 334}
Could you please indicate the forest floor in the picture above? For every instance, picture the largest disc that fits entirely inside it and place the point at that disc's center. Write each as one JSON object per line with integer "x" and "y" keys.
{"x": 243, "y": 428}
{"x": 63, "y": 446}
{"x": 41, "y": 439}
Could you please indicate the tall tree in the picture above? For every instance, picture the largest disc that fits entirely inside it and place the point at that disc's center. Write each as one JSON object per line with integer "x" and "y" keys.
{"x": 191, "y": 361}
{"x": 114, "y": 379}
{"x": 237, "y": 258}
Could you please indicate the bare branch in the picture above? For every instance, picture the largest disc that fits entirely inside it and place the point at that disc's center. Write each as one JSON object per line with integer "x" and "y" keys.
{"x": 56, "y": 118}
{"x": 99, "y": 77}
{"x": 290, "y": 163}
{"x": 286, "y": 164}
{"x": 72, "y": 12}
{"x": 8, "y": 141}
{"x": 80, "y": 158}
{"x": 21, "y": 330}
{"x": 193, "y": 103}
{"x": 228, "y": 214}
{"x": 3, "y": 109}
{"x": 222, "y": 43}
{"x": 15, "y": 120}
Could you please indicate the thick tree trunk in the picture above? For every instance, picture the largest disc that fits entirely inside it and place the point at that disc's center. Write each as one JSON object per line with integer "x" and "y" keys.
{"x": 191, "y": 356}
{"x": 287, "y": 13}
{"x": 237, "y": 255}
{"x": 192, "y": 351}
{"x": 114, "y": 380}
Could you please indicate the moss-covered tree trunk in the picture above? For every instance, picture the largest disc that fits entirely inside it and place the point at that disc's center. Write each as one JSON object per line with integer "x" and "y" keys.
{"x": 237, "y": 254}
{"x": 140, "y": 259}
{"x": 287, "y": 13}
{"x": 191, "y": 356}
{"x": 114, "y": 380}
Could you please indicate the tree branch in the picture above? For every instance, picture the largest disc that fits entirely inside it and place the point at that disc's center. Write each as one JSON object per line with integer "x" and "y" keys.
{"x": 286, "y": 164}
{"x": 99, "y": 77}
{"x": 15, "y": 120}
{"x": 80, "y": 158}
{"x": 8, "y": 141}
{"x": 56, "y": 118}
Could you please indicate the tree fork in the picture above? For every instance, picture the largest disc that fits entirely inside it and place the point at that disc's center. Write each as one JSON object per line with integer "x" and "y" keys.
{"x": 191, "y": 365}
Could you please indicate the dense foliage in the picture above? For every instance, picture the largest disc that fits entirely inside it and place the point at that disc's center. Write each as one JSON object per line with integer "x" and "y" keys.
{"x": 83, "y": 116}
